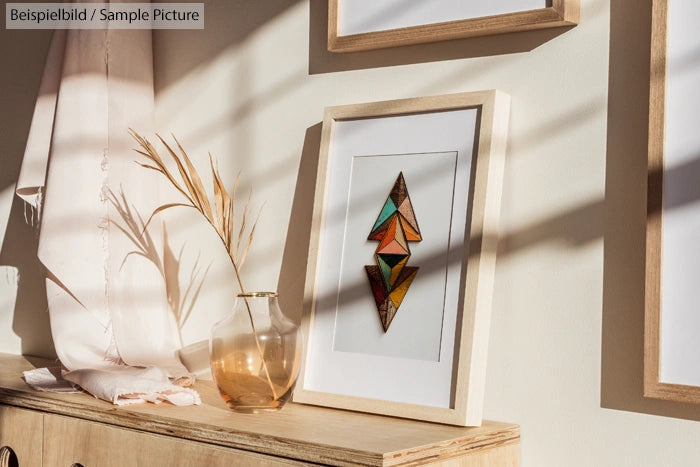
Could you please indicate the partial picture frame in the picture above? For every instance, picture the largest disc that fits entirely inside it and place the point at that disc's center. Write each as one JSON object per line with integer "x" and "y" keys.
{"x": 400, "y": 271}
{"x": 672, "y": 295}
{"x": 359, "y": 25}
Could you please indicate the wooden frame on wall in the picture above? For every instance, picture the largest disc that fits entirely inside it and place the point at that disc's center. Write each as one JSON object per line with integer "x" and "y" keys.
{"x": 672, "y": 326}
{"x": 430, "y": 363}
{"x": 451, "y": 22}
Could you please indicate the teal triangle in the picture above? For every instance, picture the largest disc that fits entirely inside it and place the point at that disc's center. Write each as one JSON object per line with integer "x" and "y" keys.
{"x": 388, "y": 209}
{"x": 386, "y": 271}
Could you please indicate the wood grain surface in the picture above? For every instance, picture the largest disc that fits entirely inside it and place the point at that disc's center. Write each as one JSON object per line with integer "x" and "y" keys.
{"x": 653, "y": 386}
{"x": 562, "y": 13}
{"x": 20, "y": 432}
{"x": 299, "y": 432}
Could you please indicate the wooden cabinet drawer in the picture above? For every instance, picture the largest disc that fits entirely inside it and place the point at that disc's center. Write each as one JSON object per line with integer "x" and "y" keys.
{"x": 20, "y": 430}
{"x": 68, "y": 441}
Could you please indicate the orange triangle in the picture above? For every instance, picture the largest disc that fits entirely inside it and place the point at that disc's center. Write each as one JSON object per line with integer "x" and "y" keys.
{"x": 389, "y": 235}
{"x": 379, "y": 232}
{"x": 411, "y": 234}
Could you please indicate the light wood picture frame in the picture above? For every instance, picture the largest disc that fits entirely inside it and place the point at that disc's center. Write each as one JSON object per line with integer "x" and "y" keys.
{"x": 430, "y": 363}
{"x": 672, "y": 325}
{"x": 392, "y": 23}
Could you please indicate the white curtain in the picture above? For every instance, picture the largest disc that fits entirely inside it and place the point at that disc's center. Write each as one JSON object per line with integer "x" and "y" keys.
{"x": 105, "y": 283}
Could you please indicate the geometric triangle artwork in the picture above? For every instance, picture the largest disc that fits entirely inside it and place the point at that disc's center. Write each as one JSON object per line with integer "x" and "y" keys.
{"x": 395, "y": 226}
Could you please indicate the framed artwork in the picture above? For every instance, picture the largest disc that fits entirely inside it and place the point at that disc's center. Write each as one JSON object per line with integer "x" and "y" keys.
{"x": 400, "y": 272}
{"x": 355, "y": 25}
{"x": 672, "y": 295}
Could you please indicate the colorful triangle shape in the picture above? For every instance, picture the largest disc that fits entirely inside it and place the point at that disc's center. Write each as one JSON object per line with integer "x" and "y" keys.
{"x": 388, "y": 209}
{"x": 399, "y": 192}
{"x": 411, "y": 234}
{"x": 406, "y": 210}
{"x": 395, "y": 226}
{"x": 379, "y": 292}
{"x": 387, "y": 311}
{"x": 399, "y": 292}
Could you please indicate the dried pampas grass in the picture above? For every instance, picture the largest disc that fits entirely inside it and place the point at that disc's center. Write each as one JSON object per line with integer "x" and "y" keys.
{"x": 221, "y": 218}
{"x": 223, "y": 215}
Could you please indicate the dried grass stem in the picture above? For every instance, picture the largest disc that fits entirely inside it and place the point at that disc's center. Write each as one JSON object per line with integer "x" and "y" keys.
{"x": 221, "y": 218}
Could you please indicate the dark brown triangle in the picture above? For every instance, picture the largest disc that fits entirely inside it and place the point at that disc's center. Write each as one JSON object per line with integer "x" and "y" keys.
{"x": 399, "y": 192}
{"x": 376, "y": 281}
{"x": 387, "y": 311}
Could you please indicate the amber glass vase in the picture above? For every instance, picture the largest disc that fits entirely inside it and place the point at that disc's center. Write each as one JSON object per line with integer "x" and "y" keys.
{"x": 255, "y": 354}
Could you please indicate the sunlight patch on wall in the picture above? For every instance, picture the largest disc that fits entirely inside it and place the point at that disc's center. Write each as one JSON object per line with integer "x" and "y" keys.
{"x": 6, "y": 196}
{"x": 241, "y": 106}
{"x": 9, "y": 279}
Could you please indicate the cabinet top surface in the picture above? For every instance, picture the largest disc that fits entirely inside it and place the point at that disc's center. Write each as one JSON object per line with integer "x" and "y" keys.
{"x": 320, "y": 432}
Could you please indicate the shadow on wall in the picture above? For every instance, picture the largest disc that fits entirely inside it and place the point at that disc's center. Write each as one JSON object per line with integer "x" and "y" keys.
{"x": 578, "y": 226}
{"x": 226, "y": 24}
{"x": 296, "y": 248}
{"x": 323, "y": 61}
{"x": 622, "y": 353}
{"x": 625, "y": 205}
{"x": 24, "y": 54}
{"x": 624, "y": 208}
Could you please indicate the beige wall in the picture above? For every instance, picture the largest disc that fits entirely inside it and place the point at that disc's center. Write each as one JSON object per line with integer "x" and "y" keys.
{"x": 565, "y": 340}
{"x": 24, "y": 321}
{"x": 565, "y": 352}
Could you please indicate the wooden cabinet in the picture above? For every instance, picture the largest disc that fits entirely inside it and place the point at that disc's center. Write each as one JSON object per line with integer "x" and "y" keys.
{"x": 20, "y": 437}
{"x": 76, "y": 429}
{"x": 68, "y": 440}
